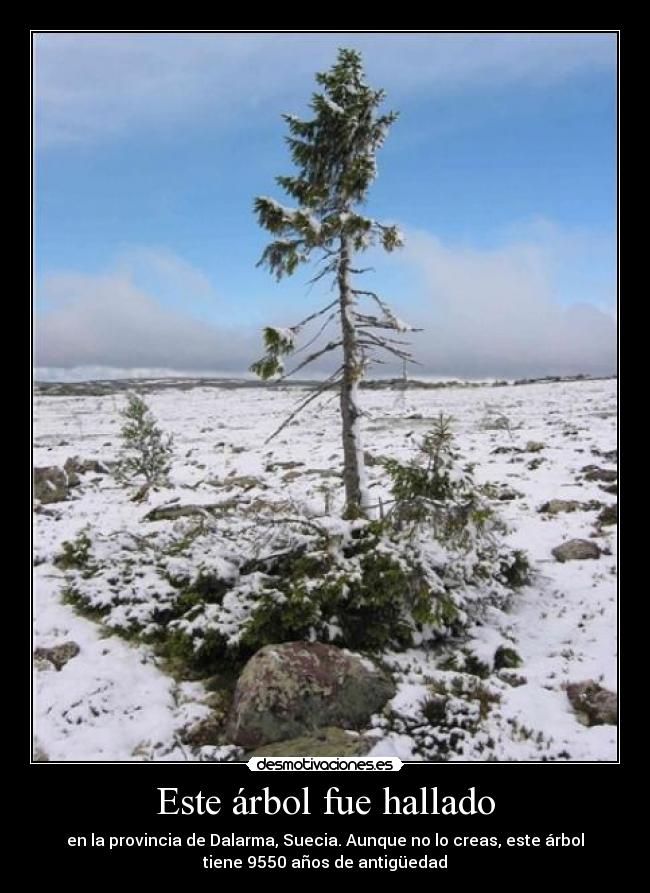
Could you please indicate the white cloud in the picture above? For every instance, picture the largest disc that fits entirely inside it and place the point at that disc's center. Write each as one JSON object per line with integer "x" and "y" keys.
{"x": 484, "y": 312}
{"x": 108, "y": 321}
{"x": 496, "y": 313}
{"x": 93, "y": 87}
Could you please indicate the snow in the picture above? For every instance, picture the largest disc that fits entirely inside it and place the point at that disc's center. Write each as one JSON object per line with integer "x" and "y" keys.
{"x": 114, "y": 702}
{"x": 333, "y": 106}
{"x": 296, "y": 216}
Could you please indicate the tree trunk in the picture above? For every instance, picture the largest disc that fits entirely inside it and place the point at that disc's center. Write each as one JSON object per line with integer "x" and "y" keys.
{"x": 356, "y": 500}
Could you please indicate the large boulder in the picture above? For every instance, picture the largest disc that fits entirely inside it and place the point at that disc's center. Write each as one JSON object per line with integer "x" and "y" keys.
{"x": 286, "y": 691}
{"x": 596, "y": 704}
{"x": 50, "y": 484}
{"x": 576, "y": 550}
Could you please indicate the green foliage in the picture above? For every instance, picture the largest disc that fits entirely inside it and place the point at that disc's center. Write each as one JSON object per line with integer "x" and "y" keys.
{"x": 75, "y": 553}
{"x": 146, "y": 451}
{"x": 363, "y": 595}
{"x": 278, "y": 343}
{"x": 427, "y": 570}
{"x": 432, "y": 491}
{"x": 506, "y": 659}
{"x": 334, "y": 153}
{"x": 515, "y": 569}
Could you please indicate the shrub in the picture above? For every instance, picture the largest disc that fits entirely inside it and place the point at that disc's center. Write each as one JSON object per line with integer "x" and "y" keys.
{"x": 146, "y": 451}
{"x": 428, "y": 569}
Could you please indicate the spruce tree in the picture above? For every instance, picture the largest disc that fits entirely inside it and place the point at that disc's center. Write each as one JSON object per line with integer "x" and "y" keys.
{"x": 146, "y": 451}
{"x": 334, "y": 155}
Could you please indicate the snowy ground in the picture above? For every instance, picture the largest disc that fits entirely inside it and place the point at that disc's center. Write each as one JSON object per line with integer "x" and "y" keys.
{"x": 112, "y": 702}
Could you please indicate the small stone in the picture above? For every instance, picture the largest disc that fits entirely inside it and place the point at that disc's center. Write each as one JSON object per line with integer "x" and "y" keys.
{"x": 173, "y": 512}
{"x": 597, "y": 704}
{"x": 50, "y": 484}
{"x": 594, "y": 473}
{"x": 609, "y": 515}
{"x": 59, "y": 655}
{"x": 285, "y": 466}
{"x": 38, "y": 753}
{"x": 576, "y": 550}
{"x": 534, "y": 446}
{"x": 557, "y": 506}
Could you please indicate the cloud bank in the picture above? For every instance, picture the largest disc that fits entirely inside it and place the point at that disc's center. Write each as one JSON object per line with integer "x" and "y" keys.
{"x": 494, "y": 313}
{"x": 486, "y": 313}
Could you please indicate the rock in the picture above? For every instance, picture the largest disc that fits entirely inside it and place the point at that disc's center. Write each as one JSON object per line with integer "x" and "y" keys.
{"x": 243, "y": 482}
{"x": 328, "y": 742}
{"x": 506, "y": 494}
{"x": 371, "y": 460}
{"x": 576, "y": 550}
{"x": 58, "y": 655}
{"x": 291, "y": 689}
{"x": 38, "y": 753}
{"x": 74, "y": 466}
{"x": 173, "y": 512}
{"x": 512, "y": 679}
{"x": 607, "y": 455}
{"x": 557, "y": 506}
{"x": 534, "y": 446}
{"x": 611, "y": 488}
{"x": 285, "y": 466}
{"x": 324, "y": 472}
{"x": 609, "y": 515}
{"x": 598, "y": 705}
{"x": 50, "y": 484}
{"x": 594, "y": 473}
{"x": 207, "y": 731}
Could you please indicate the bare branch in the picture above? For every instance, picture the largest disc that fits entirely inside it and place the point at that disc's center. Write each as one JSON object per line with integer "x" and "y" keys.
{"x": 378, "y": 342}
{"x": 313, "y": 316}
{"x": 328, "y": 383}
{"x": 331, "y": 345}
{"x": 318, "y": 333}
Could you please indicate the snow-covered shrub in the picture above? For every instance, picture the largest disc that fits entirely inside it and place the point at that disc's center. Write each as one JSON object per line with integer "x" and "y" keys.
{"x": 213, "y": 593}
{"x": 146, "y": 450}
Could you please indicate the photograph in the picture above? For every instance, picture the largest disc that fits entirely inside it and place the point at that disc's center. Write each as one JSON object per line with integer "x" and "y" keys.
{"x": 325, "y": 407}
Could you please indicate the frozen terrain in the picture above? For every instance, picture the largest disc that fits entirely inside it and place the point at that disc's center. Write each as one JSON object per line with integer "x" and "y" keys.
{"x": 113, "y": 702}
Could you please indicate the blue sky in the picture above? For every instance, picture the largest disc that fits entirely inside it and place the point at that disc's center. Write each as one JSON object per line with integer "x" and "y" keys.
{"x": 501, "y": 171}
